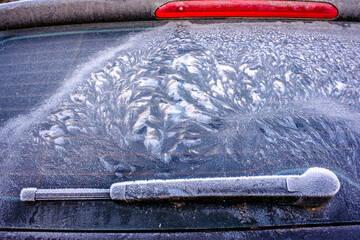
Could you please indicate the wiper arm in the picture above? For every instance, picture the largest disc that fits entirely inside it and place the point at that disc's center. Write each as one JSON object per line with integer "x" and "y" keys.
{"x": 313, "y": 188}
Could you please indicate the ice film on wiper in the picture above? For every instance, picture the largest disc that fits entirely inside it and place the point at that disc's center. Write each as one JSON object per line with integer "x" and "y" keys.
{"x": 312, "y": 189}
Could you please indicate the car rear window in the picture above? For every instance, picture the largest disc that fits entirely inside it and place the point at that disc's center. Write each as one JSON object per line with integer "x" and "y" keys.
{"x": 88, "y": 106}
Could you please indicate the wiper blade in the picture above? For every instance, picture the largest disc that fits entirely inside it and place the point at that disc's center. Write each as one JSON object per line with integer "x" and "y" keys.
{"x": 34, "y": 194}
{"x": 313, "y": 188}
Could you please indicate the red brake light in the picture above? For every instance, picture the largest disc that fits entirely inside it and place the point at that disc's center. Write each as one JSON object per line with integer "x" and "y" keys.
{"x": 246, "y": 8}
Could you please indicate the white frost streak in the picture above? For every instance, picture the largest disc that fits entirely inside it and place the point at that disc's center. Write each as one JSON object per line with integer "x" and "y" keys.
{"x": 142, "y": 118}
{"x": 188, "y": 61}
{"x": 152, "y": 145}
{"x": 279, "y": 87}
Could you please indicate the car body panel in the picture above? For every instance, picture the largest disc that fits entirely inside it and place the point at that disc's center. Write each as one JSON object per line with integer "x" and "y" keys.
{"x": 33, "y": 13}
{"x": 324, "y": 232}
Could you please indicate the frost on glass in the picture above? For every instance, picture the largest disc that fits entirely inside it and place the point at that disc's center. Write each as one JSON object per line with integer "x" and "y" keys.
{"x": 204, "y": 99}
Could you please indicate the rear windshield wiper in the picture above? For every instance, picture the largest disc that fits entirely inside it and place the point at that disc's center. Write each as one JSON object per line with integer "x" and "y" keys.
{"x": 313, "y": 188}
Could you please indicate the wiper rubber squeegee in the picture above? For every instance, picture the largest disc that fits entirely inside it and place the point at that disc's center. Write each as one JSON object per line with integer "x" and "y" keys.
{"x": 313, "y": 188}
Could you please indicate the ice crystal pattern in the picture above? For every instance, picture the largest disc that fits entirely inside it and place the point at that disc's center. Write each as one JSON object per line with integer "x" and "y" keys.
{"x": 227, "y": 98}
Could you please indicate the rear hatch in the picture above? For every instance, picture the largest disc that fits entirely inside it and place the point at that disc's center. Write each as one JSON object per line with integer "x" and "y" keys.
{"x": 86, "y": 106}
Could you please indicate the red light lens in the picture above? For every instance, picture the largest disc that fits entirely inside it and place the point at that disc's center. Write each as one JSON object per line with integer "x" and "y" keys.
{"x": 247, "y": 8}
